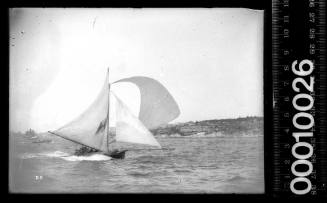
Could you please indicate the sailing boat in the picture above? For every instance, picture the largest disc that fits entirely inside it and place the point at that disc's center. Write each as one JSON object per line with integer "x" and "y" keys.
{"x": 92, "y": 128}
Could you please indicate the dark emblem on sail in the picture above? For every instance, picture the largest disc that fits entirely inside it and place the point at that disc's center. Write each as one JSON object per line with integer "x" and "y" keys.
{"x": 102, "y": 126}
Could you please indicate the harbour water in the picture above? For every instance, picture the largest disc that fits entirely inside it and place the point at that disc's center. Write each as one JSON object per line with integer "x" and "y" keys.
{"x": 225, "y": 164}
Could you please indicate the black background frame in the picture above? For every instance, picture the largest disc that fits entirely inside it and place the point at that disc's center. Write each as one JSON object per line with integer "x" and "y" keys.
{"x": 265, "y": 5}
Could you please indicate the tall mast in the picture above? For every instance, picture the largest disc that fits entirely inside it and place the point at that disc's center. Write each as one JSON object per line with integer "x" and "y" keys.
{"x": 108, "y": 124}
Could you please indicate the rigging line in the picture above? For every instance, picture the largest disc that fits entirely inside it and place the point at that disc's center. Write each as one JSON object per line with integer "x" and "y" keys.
{"x": 74, "y": 141}
{"x": 108, "y": 114}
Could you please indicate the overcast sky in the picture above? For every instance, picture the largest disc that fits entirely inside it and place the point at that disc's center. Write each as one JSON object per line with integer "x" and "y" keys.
{"x": 210, "y": 60}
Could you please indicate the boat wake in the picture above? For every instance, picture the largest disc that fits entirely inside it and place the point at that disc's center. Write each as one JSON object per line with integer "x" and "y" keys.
{"x": 55, "y": 154}
{"x": 68, "y": 157}
{"x": 93, "y": 157}
{"x": 46, "y": 154}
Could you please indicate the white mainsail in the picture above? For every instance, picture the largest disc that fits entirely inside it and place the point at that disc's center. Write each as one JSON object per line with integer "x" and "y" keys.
{"x": 90, "y": 128}
{"x": 129, "y": 128}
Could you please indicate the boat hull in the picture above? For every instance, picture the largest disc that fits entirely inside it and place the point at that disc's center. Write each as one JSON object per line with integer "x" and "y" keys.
{"x": 114, "y": 155}
{"x": 117, "y": 155}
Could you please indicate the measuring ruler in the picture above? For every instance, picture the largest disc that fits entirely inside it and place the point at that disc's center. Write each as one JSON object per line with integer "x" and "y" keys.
{"x": 299, "y": 98}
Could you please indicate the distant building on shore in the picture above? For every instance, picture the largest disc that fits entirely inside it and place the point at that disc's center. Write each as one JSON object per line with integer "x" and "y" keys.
{"x": 30, "y": 132}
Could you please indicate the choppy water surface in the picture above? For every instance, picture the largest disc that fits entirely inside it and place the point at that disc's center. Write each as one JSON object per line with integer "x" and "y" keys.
{"x": 195, "y": 165}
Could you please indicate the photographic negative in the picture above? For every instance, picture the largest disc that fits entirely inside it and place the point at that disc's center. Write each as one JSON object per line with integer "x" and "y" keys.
{"x": 136, "y": 100}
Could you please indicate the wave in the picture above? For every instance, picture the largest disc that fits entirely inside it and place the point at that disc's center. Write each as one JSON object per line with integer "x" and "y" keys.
{"x": 66, "y": 156}
{"x": 139, "y": 174}
{"x": 93, "y": 157}
{"x": 55, "y": 154}
{"x": 29, "y": 156}
{"x": 45, "y": 154}
{"x": 148, "y": 159}
{"x": 182, "y": 171}
{"x": 147, "y": 174}
{"x": 236, "y": 178}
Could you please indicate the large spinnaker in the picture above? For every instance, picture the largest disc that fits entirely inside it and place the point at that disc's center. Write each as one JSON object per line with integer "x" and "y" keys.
{"x": 157, "y": 105}
{"x": 90, "y": 128}
{"x": 129, "y": 128}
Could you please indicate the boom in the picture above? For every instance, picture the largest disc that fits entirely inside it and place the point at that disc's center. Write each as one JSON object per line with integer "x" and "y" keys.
{"x": 74, "y": 141}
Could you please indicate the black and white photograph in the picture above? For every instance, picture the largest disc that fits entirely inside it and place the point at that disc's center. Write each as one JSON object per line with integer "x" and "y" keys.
{"x": 136, "y": 100}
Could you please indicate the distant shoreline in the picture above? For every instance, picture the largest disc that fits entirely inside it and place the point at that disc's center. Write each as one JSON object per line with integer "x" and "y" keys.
{"x": 245, "y": 127}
